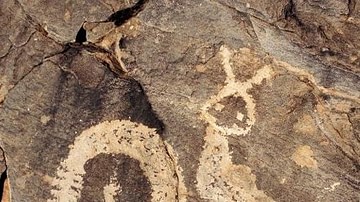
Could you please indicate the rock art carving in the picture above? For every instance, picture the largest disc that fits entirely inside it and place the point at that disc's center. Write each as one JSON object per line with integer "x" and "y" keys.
{"x": 237, "y": 89}
{"x": 303, "y": 156}
{"x": 113, "y": 137}
{"x": 218, "y": 179}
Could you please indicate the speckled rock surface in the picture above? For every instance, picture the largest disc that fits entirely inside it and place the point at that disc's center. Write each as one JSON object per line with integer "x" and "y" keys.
{"x": 211, "y": 100}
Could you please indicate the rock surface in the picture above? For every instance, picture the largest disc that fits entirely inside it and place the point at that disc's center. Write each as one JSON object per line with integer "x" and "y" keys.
{"x": 211, "y": 100}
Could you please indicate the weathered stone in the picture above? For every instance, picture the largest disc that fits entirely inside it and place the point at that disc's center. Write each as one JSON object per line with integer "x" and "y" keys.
{"x": 186, "y": 101}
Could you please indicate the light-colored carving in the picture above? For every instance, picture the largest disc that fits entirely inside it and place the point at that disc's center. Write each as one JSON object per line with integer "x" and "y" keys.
{"x": 303, "y": 156}
{"x": 45, "y": 119}
{"x": 332, "y": 187}
{"x": 156, "y": 159}
{"x": 235, "y": 88}
{"x": 221, "y": 180}
{"x": 218, "y": 178}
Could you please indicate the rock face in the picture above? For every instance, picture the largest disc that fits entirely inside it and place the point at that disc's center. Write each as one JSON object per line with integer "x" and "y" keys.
{"x": 180, "y": 100}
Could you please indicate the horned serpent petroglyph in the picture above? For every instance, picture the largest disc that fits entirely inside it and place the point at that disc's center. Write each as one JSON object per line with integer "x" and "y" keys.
{"x": 218, "y": 178}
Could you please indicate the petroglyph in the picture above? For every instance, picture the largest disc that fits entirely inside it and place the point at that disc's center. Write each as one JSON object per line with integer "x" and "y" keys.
{"x": 133, "y": 139}
{"x": 218, "y": 178}
{"x": 332, "y": 187}
{"x": 303, "y": 156}
{"x": 236, "y": 89}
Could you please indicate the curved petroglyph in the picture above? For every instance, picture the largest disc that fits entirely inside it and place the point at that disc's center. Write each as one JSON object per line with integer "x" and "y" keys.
{"x": 236, "y": 89}
{"x": 218, "y": 178}
{"x": 114, "y": 137}
{"x": 221, "y": 180}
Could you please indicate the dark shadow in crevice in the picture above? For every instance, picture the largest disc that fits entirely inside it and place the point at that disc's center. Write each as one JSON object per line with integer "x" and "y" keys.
{"x": 118, "y": 18}
{"x": 351, "y": 7}
{"x": 2, "y": 183}
{"x": 81, "y": 35}
{"x": 122, "y": 16}
{"x": 3, "y": 177}
{"x": 290, "y": 13}
{"x": 140, "y": 109}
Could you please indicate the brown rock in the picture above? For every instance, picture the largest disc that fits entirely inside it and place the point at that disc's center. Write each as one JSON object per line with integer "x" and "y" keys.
{"x": 184, "y": 101}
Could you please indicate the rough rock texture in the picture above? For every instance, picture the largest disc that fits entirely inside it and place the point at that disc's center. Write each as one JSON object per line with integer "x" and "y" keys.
{"x": 212, "y": 100}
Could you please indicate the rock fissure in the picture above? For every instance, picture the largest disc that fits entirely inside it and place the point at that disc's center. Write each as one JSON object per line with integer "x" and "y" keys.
{"x": 36, "y": 25}
{"x": 25, "y": 42}
{"x": 122, "y": 16}
{"x": 260, "y": 100}
{"x": 5, "y": 193}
